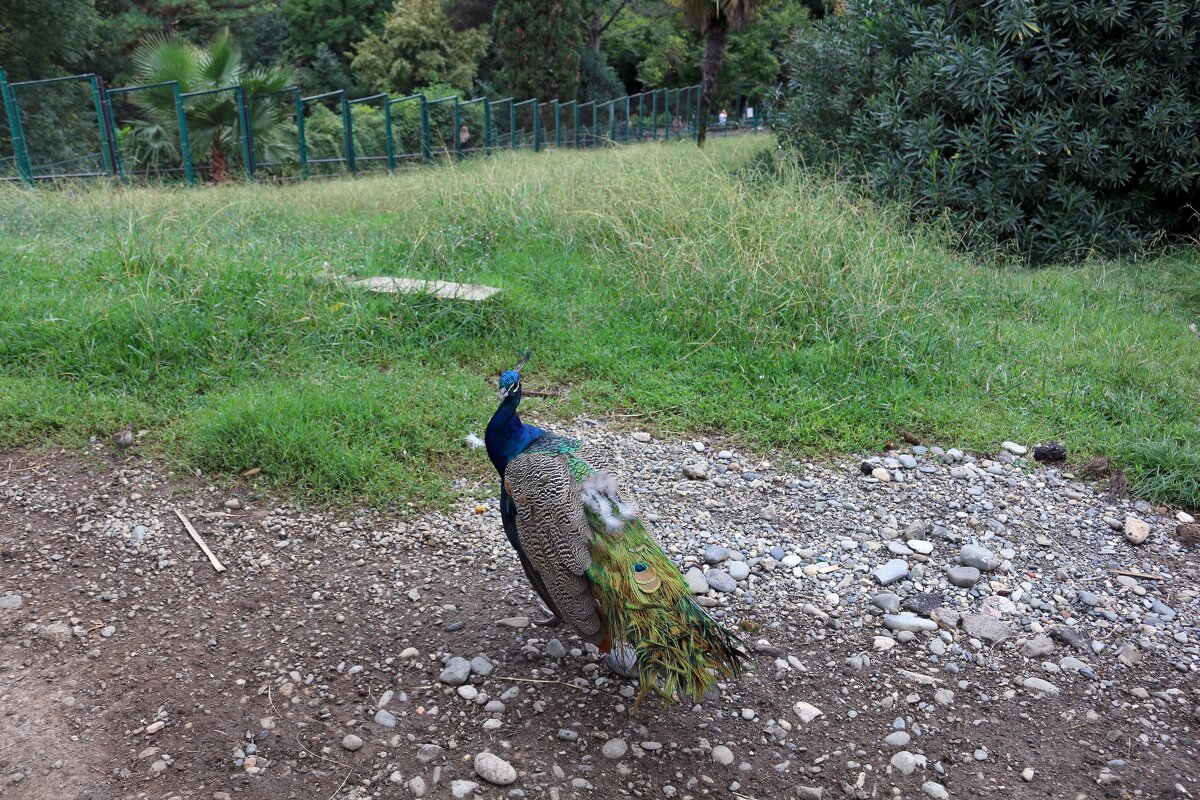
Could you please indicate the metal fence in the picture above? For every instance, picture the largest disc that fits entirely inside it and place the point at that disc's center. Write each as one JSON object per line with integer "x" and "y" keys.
{"x": 75, "y": 127}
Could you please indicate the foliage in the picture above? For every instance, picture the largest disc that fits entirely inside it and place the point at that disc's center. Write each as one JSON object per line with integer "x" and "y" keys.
{"x": 335, "y": 24}
{"x": 418, "y": 46}
{"x": 538, "y": 44}
{"x": 44, "y": 38}
{"x": 786, "y": 314}
{"x": 597, "y": 80}
{"x": 212, "y": 118}
{"x": 326, "y": 72}
{"x": 126, "y": 23}
{"x": 1055, "y": 129}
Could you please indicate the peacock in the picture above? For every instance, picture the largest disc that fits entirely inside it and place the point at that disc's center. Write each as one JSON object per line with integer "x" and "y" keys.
{"x": 592, "y": 561}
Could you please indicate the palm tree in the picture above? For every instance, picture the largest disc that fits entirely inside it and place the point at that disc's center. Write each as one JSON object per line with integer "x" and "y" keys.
{"x": 715, "y": 18}
{"x": 212, "y": 118}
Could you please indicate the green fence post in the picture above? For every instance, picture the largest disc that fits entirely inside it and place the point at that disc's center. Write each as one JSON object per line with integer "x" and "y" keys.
{"x": 457, "y": 139}
{"x": 537, "y": 127}
{"x": 348, "y": 133}
{"x": 110, "y": 120}
{"x": 654, "y": 114}
{"x": 185, "y": 143}
{"x": 16, "y": 129}
{"x": 628, "y": 124}
{"x": 512, "y": 124}
{"x": 426, "y": 146}
{"x": 247, "y": 133}
{"x": 487, "y": 127}
{"x": 387, "y": 121}
{"x": 102, "y": 125}
{"x": 575, "y": 129}
{"x": 557, "y": 126}
{"x": 301, "y": 140}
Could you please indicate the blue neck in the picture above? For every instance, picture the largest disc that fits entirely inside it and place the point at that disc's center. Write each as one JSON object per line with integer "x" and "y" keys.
{"x": 506, "y": 436}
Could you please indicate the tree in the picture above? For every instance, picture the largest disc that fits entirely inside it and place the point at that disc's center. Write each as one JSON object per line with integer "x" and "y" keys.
{"x": 714, "y": 18}
{"x": 212, "y": 119}
{"x": 335, "y": 23}
{"x": 417, "y": 46}
{"x": 539, "y": 45}
{"x": 43, "y": 38}
{"x": 124, "y": 24}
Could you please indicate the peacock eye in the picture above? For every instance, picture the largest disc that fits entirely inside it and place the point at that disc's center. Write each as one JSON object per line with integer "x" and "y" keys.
{"x": 640, "y": 567}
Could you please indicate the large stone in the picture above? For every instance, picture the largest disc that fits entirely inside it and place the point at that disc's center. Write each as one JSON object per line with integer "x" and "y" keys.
{"x": 908, "y": 622}
{"x": 714, "y": 554}
{"x": 892, "y": 571}
{"x": 1039, "y": 686}
{"x": 720, "y": 580}
{"x": 986, "y": 627}
{"x": 886, "y": 602}
{"x": 696, "y": 581}
{"x": 697, "y": 471}
{"x": 494, "y": 769}
{"x": 1038, "y": 647}
{"x": 807, "y": 712}
{"x": 456, "y": 673}
{"x": 11, "y": 602}
{"x": 982, "y": 559}
{"x": 963, "y": 577}
{"x": 907, "y": 762}
{"x": 614, "y": 749}
{"x": 1136, "y": 530}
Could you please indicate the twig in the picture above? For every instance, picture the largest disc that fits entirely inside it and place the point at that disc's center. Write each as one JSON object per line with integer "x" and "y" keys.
{"x": 335, "y": 791}
{"x": 212, "y": 559}
{"x": 541, "y": 680}
{"x": 271, "y": 700}
{"x": 550, "y": 393}
{"x": 97, "y": 770}
{"x": 1147, "y": 575}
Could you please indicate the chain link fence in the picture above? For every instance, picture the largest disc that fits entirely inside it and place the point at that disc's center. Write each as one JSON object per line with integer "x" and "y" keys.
{"x": 74, "y": 127}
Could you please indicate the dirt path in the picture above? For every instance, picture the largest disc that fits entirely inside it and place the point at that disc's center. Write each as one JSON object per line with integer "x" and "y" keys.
{"x": 259, "y": 675}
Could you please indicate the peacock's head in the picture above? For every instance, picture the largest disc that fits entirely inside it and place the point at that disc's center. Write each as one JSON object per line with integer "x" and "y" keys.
{"x": 510, "y": 380}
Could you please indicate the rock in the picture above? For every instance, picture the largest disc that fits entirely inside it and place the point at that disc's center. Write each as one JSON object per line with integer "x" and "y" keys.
{"x": 641, "y": 436}
{"x": 898, "y": 739}
{"x": 807, "y": 712}
{"x": 697, "y": 471}
{"x": 809, "y": 792}
{"x": 1069, "y": 636}
{"x": 982, "y": 559}
{"x": 720, "y": 580}
{"x": 514, "y": 622}
{"x": 417, "y": 787}
{"x": 566, "y": 735}
{"x": 908, "y": 622}
{"x": 907, "y": 762}
{"x": 714, "y": 554}
{"x": 155, "y": 727}
{"x": 922, "y": 602}
{"x": 1015, "y": 449}
{"x": 461, "y": 789}
{"x": 457, "y": 672}
{"x": 963, "y": 577}
{"x": 986, "y": 627}
{"x": 1027, "y": 774}
{"x": 555, "y": 649}
{"x": 696, "y": 581}
{"x": 943, "y": 697}
{"x": 623, "y": 661}
{"x": 11, "y": 602}
{"x": 921, "y": 546}
{"x": 946, "y": 618}
{"x": 494, "y": 769}
{"x": 778, "y": 553}
{"x": 409, "y": 653}
{"x": 722, "y": 755}
{"x": 887, "y": 602}
{"x": 881, "y": 474}
{"x": 385, "y": 718}
{"x": 1038, "y": 647}
{"x": 429, "y": 753}
{"x": 1136, "y": 530}
{"x": 481, "y": 665}
{"x": 892, "y": 571}
{"x": 935, "y": 790}
{"x": 907, "y": 461}
{"x": 882, "y": 644}
{"x": 352, "y": 742}
{"x": 614, "y": 749}
{"x": 1129, "y": 655}
{"x": 1039, "y": 686}
{"x": 738, "y": 570}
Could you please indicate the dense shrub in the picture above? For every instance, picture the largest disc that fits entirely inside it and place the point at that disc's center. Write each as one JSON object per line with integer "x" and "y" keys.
{"x": 1054, "y": 127}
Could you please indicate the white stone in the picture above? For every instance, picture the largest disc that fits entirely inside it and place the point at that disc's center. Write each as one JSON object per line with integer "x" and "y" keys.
{"x": 807, "y": 712}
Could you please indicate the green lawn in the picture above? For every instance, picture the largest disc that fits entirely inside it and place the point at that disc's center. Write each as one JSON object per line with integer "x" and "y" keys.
{"x": 659, "y": 280}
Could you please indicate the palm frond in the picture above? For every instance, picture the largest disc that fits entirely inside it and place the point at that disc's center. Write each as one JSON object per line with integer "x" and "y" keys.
{"x": 221, "y": 62}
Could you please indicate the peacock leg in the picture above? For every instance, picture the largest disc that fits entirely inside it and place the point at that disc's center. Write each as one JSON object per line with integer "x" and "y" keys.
{"x": 553, "y": 621}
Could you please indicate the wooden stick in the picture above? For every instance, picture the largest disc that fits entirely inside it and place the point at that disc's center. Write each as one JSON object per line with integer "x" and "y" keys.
{"x": 212, "y": 559}
{"x": 1132, "y": 574}
{"x": 542, "y": 680}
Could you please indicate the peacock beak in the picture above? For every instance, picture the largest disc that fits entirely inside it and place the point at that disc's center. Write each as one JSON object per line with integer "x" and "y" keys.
{"x": 502, "y": 393}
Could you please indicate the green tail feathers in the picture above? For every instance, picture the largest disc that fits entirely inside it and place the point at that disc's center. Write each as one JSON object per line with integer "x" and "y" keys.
{"x": 646, "y": 604}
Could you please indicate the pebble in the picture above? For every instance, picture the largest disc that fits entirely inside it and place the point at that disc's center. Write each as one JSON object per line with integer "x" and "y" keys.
{"x": 898, "y": 739}
{"x": 555, "y": 649}
{"x": 935, "y": 790}
{"x": 806, "y": 711}
{"x": 385, "y": 718}
{"x": 892, "y": 571}
{"x": 982, "y": 559}
{"x": 907, "y": 621}
{"x": 1039, "y": 686}
{"x": 985, "y": 626}
{"x": 721, "y": 581}
{"x": 457, "y": 672}
{"x": 460, "y": 788}
{"x": 963, "y": 577}
{"x": 1015, "y": 449}
{"x": 886, "y": 601}
{"x": 738, "y": 570}
{"x": 1136, "y": 530}
{"x": 696, "y": 581}
{"x": 494, "y": 769}
{"x": 714, "y": 554}
{"x": 697, "y": 471}
{"x": 352, "y": 742}
{"x": 907, "y": 762}
{"x": 614, "y": 749}
{"x": 1027, "y": 774}
{"x": 722, "y": 755}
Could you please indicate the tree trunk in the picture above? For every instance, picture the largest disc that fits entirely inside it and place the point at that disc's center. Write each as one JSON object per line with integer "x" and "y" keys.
{"x": 219, "y": 171}
{"x": 714, "y": 53}
{"x": 596, "y": 29}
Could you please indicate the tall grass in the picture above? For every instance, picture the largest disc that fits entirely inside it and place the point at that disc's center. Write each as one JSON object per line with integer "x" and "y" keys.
{"x": 686, "y": 286}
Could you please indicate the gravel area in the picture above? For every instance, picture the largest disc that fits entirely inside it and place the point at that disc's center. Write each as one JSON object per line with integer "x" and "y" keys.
{"x": 924, "y": 623}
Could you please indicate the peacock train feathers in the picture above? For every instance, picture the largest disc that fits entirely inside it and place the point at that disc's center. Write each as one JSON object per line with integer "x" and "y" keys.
{"x": 594, "y": 563}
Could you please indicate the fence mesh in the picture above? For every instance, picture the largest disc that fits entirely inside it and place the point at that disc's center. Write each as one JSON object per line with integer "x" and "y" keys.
{"x": 74, "y": 127}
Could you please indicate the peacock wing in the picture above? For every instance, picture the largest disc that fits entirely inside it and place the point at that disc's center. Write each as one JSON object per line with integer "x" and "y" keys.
{"x": 554, "y": 533}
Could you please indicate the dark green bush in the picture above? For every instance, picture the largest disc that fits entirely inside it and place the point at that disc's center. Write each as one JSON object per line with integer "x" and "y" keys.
{"x": 1055, "y": 127}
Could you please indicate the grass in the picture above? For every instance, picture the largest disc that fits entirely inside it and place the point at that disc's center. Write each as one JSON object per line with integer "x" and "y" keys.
{"x": 684, "y": 286}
